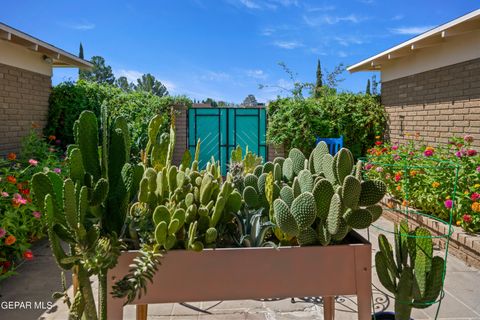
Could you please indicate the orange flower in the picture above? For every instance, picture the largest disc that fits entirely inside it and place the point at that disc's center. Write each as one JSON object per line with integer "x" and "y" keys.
{"x": 435, "y": 184}
{"x": 430, "y": 148}
{"x": 11, "y": 179}
{"x": 10, "y": 240}
{"x": 476, "y": 206}
{"x": 405, "y": 203}
{"x": 11, "y": 156}
{"x": 52, "y": 137}
{"x": 459, "y": 222}
{"x": 399, "y": 188}
{"x": 413, "y": 173}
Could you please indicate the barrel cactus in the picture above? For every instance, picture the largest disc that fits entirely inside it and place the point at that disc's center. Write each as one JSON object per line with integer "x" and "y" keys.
{"x": 411, "y": 273}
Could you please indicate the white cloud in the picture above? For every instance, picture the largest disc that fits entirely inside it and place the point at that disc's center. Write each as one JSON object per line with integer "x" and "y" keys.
{"x": 215, "y": 76}
{"x": 348, "y": 40}
{"x": 83, "y": 26}
{"x": 256, "y": 74}
{"x": 288, "y": 44}
{"x": 321, "y": 9}
{"x": 330, "y": 19}
{"x": 411, "y": 30}
{"x": 267, "y": 31}
{"x": 250, "y": 4}
{"x": 397, "y": 17}
{"x": 342, "y": 54}
{"x": 131, "y": 75}
{"x": 366, "y": 1}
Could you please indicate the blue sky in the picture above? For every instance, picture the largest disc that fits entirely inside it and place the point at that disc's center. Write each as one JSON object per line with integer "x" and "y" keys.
{"x": 225, "y": 48}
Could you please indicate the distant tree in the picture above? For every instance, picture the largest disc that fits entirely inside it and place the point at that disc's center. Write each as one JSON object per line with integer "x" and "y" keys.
{"x": 375, "y": 85}
{"x": 148, "y": 83}
{"x": 367, "y": 90}
{"x": 319, "y": 82}
{"x": 250, "y": 101}
{"x": 81, "y": 73}
{"x": 100, "y": 73}
{"x": 211, "y": 102}
{"x": 222, "y": 104}
{"x": 123, "y": 84}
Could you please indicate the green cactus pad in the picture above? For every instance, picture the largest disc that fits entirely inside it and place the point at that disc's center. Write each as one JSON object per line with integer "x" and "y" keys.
{"x": 424, "y": 244}
{"x": 160, "y": 214}
{"x": 327, "y": 168}
{"x": 305, "y": 180}
{"x": 191, "y": 213}
{"x": 334, "y": 214}
{"x": 211, "y": 235}
{"x": 268, "y": 167}
{"x": 307, "y": 237}
{"x": 173, "y": 226}
{"x": 284, "y": 218}
{"x": 279, "y": 160}
{"x": 344, "y": 164}
{"x": 376, "y": 211}
{"x": 161, "y": 233}
{"x": 77, "y": 171}
{"x": 217, "y": 211}
{"x": 258, "y": 170}
{"x": 323, "y": 192}
{"x": 189, "y": 199}
{"x": 250, "y": 196}
{"x": 303, "y": 210}
{"x": 403, "y": 306}
{"x": 286, "y": 194}
{"x": 251, "y": 180}
{"x": 234, "y": 202}
{"x": 100, "y": 192}
{"x": 323, "y": 235}
{"x": 359, "y": 218}
{"x": 298, "y": 160}
{"x": 277, "y": 173}
{"x": 372, "y": 192}
{"x": 170, "y": 242}
{"x": 317, "y": 156}
{"x": 433, "y": 285}
{"x": 197, "y": 246}
{"x": 206, "y": 189}
{"x": 87, "y": 140}
{"x": 351, "y": 192}
{"x": 287, "y": 169}
{"x": 386, "y": 278}
{"x": 342, "y": 232}
{"x": 261, "y": 183}
{"x": 203, "y": 223}
{"x": 179, "y": 214}
{"x": 172, "y": 178}
{"x": 358, "y": 170}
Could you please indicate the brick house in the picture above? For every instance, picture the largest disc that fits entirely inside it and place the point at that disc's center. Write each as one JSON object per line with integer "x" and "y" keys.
{"x": 431, "y": 83}
{"x": 25, "y": 83}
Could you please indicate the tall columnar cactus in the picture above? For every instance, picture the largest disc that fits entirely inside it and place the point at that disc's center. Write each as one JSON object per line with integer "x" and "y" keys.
{"x": 88, "y": 209}
{"x": 411, "y": 273}
{"x": 324, "y": 196}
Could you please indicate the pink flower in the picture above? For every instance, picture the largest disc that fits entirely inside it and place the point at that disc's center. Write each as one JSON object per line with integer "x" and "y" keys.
{"x": 448, "y": 204}
{"x": 36, "y": 214}
{"x": 467, "y": 218}
{"x": 18, "y": 200}
{"x": 58, "y": 141}
{"x": 368, "y": 166}
{"x": 395, "y": 147}
{"x": 458, "y": 154}
{"x": 57, "y": 170}
{"x": 471, "y": 152}
{"x": 475, "y": 196}
{"x": 428, "y": 153}
{"x": 478, "y": 169}
{"x": 388, "y": 176}
{"x": 4, "y": 194}
{"x": 396, "y": 157}
{"x": 33, "y": 162}
{"x": 468, "y": 138}
{"x": 2, "y": 232}
{"x": 379, "y": 169}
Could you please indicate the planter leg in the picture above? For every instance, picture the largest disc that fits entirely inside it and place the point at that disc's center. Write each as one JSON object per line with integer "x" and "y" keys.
{"x": 142, "y": 311}
{"x": 328, "y": 308}
{"x": 363, "y": 278}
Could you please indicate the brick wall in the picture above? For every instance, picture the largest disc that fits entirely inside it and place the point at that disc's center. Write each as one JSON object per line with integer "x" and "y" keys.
{"x": 23, "y": 101}
{"x": 438, "y": 104}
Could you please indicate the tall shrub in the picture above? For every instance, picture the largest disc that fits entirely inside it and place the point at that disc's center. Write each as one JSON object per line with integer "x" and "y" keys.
{"x": 69, "y": 99}
{"x": 296, "y": 122}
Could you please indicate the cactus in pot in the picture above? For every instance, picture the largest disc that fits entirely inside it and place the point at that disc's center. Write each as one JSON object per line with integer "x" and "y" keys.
{"x": 88, "y": 209}
{"x": 410, "y": 272}
{"x": 324, "y": 197}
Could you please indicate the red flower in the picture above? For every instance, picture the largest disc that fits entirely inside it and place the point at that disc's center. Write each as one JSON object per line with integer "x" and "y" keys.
{"x": 378, "y": 143}
{"x": 25, "y": 192}
{"x": 397, "y": 177}
{"x": 467, "y": 218}
{"x": 28, "y": 255}
{"x": 11, "y": 179}
{"x": 475, "y": 196}
{"x": 11, "y": 156}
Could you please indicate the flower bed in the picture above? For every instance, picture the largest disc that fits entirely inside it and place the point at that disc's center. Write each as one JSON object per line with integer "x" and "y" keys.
{"x": 430, "y": 185}
{"x": 21, "y": 222}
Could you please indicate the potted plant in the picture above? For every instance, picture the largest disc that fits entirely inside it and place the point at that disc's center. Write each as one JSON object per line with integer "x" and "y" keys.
{"x": 307, "y": 202}
{"x": 412, "y": 274}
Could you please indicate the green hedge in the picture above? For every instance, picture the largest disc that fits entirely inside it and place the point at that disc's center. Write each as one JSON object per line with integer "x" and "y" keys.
{"x": 296, "y": 122}
{"x": 69, "y": 99}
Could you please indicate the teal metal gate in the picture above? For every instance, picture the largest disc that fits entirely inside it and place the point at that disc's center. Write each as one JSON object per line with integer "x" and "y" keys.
{"x": 222, "y": 129}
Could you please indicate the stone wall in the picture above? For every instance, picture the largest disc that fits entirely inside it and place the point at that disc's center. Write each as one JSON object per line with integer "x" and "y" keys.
{"x": 23, "y": 105}
{"x": 437, "y": 104}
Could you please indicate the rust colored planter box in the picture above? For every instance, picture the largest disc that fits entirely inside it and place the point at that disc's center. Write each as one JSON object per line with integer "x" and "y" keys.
{"x": 255, "y": 273}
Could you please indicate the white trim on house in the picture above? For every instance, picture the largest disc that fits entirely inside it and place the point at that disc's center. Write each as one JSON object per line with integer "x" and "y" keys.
{"x": 59, "y": 57}
{"x": 440, "y": 35}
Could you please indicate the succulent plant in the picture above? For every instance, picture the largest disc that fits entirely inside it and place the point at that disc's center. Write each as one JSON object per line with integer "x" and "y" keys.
{"x": 411, "y": 273}
{"x": 323, "y": 195}
{"x": 89, "y": 208}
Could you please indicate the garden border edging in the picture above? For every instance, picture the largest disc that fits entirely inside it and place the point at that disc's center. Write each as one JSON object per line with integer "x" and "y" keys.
{"x": 463, "y": 245}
